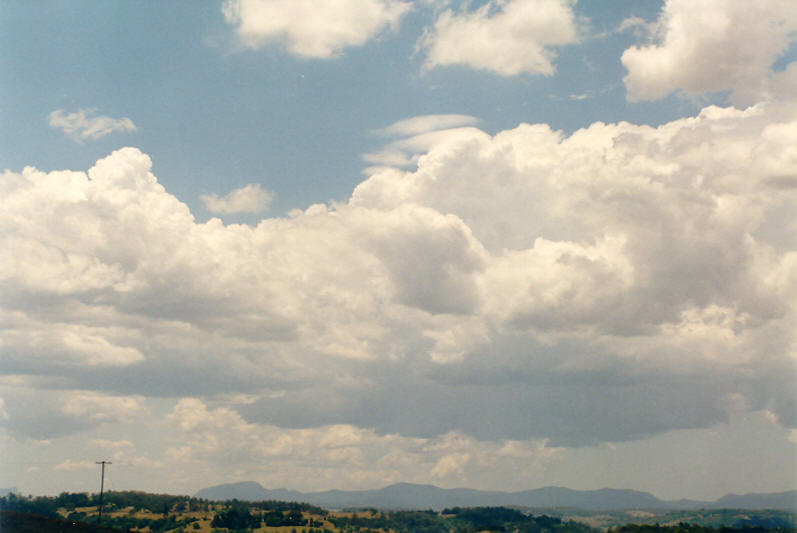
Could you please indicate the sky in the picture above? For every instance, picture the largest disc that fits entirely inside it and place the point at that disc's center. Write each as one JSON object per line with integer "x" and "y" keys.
{"x": 347, "y": 243}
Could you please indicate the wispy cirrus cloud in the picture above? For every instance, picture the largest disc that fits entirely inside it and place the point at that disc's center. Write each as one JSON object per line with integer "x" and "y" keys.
{"x": 82, "y": 125}
{"x": 426, "y": 123}
{"x": 414, "y": 136}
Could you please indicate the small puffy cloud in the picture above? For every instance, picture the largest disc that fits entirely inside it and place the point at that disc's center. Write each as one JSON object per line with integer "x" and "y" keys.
{"x": 506, "y": 37}
{"x": 450, "y": 464}
{"x": 252, "y": 198}
{"x": 313, "y": 28}
{"x": 81, "y": 125}
{"x": 112, "y": 444}
{"x": 711, "y": 46}
{"x": 97, "y": 407}
{"x": 71, "y": 466}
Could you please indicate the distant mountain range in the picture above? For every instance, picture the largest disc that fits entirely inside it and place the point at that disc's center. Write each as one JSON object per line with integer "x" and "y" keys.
{"x": 410, "y": 496}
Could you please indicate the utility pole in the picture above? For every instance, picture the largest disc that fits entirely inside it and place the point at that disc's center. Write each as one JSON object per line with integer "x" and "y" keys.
{"x": 102, "y": 485}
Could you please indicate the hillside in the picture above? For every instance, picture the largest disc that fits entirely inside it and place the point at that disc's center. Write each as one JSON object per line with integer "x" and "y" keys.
{"x": 165, "y": 513}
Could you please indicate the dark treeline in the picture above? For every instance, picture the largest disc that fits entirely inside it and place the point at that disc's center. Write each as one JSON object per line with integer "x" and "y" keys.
{"x": 241, "y": 515}
{"x": 71, "y": 502}
{"x": 49, "y": 505}
{"x": 17, "y": 522}
{"x": 274, "y": 505}
{"x": 137, "y": 500}
{"x": 459, "y": 520}
{"x": 398, "y": 521}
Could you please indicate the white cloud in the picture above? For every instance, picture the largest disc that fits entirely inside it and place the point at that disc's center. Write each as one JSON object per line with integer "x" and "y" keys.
{"x": 450, "y": 464}
{"x": 112, "y": 444}
{"x": 521, "y": 286}
{"x": 81, "y": 125}
{"x": 311, "y": 28}
{"x": 44, "y": 413}
{"x": 73, "y": 344}
{"x": 426, "y": 123}
{"x": 332, "y": 453}
{"x": 506, "y": 37}
{"x": 634, "y": 23}
{"x": 98, "y": 407}
{"x": 710, "y": 46}
{"x": 252, "y": 198}
{"x": 69, "y": 465}
{"x": 406, "y": 152}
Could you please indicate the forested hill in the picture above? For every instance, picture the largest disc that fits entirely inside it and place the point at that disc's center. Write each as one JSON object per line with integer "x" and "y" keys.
{"x": 409, "y": 496}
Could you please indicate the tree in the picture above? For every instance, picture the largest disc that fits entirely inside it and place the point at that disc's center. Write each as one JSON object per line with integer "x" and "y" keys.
{"x": 236, "y": 517}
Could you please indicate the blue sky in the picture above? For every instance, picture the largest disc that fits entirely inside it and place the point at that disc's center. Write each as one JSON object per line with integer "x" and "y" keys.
{"x": 497, "y": 244}
{"x": 215, "y": 116}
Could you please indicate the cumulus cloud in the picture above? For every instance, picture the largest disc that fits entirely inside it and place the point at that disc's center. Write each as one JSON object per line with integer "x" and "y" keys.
{"x": 331, "y": 453}
{"x": 112, "y": 444}
{"x": 719, "y": 45}
{"x": 81, "y": 125}
{"x": 71, "y": 466}
{"x": 251, "y": 198}
{"x": 37, "y": 410}
{"x": 506, "y": 37}
{"x": 310, "y": 28}
{"x": 98, "y": 407}
{"x": 529, "y": 286}
{"x": 74, "y": 344}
